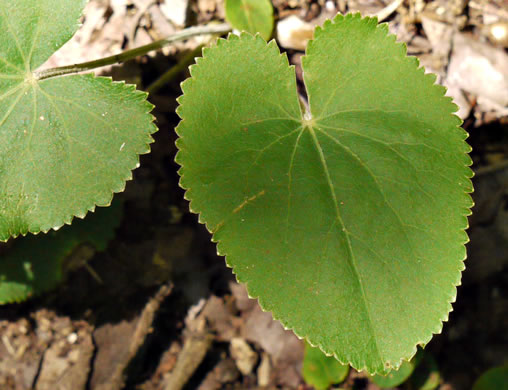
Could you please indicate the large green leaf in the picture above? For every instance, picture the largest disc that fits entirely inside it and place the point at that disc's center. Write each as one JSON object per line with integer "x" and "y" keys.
{"x": 33, "y": 264}
{"x": 251, "y": 15}
{"x": 346, "y": 222}
{"x": 66, "y": 144}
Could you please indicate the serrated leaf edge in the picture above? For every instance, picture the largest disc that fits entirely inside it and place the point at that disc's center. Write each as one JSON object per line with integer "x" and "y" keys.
{"x": 67, "y": 220}
{"x": 32, "y": 293}
{"x": 431, "y": 78}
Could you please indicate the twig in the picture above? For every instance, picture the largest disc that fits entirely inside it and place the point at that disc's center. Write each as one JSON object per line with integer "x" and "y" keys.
{"x": 143, "y": 328}
{"x": 388, "y": 10}
{"x": 194, "y": 350}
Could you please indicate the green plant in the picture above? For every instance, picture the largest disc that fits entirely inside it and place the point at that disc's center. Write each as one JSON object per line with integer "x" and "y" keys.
{"x": 399, "y": 376}
{"x": 66, "y": 147}
{"x": 322, "y": 371}
{"x": 346, "y": 219}
{"x": 251, "y": 15}
{"x": 426, "y": 375}
{"x": 495, "y": 378}
{"x": 345, "y": 215}
{"x": 36, "y": 263}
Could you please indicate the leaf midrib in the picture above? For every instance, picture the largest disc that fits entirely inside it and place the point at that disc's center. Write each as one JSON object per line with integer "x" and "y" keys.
{"x": 351, "y": 257}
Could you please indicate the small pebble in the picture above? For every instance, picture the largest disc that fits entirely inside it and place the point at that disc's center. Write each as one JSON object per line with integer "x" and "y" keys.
{"x": 72, "y": 338}
{"x": 498, "y": 33}
{"x": 244, "y": 356}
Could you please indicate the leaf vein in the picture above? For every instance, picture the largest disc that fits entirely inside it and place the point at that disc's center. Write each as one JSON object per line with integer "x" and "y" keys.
{"x": 8, "y": 63}
{"x": 15, "y": 38}
{"x": 9, "y": 92}
{"x": 374, "y": 178}
{"x": 5, "y": 76}
{"x": 35, "y": 39}
{"x": 14, "y": 103}
{"x": 386, "y": 145}
{"x": 352, "y": 260}
{"x": 79, "y": 106}
{"x": 290, "y": 179}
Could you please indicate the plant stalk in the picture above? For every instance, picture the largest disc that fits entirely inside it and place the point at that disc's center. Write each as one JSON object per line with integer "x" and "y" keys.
{"x": 175, "y": 70}
{"x": 133, "y": 53}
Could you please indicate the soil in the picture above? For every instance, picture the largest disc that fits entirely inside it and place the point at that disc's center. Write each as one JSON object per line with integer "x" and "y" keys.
{"x": 166, "y": 312}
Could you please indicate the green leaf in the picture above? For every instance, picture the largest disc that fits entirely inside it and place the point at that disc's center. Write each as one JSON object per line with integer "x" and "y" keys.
{"x": 66, "y": 144}
{"x": 346, "y": 222}
{"x": 426, "y": 376}
{"x": 322, "y": 371}
{"x": 251, "y": 15}
{"x": 494, "y": 379}
{"x": 399, "y": 376}
{"x": 34, "y": 264}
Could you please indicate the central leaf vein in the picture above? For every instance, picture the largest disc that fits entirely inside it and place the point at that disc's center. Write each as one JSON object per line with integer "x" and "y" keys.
{"x": 351, "y": 258}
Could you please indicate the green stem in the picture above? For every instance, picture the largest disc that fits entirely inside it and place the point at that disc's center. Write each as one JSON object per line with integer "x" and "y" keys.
{"x": 133, "y": 53}
{"x": 174, "y": 71}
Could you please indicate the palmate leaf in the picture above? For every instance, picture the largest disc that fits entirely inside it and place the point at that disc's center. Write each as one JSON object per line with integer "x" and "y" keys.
{"x": 346, "y": 222}
{"x": 66, "y": 144}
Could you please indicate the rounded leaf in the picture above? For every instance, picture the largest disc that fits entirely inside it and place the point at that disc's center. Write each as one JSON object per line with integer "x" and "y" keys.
{"x": 347, "y": 222}
{"x": 66, "y": 144}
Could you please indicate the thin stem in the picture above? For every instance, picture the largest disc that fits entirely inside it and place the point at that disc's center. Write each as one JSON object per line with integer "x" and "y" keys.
{"x": 133, "y": 53}
{"x": 304, "y": 105}
{"x": 174, "y": 71}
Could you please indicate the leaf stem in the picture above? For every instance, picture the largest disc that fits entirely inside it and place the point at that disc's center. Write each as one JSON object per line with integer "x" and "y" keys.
{"x": 174, "y": 71}
{"x": 133, "y": 53}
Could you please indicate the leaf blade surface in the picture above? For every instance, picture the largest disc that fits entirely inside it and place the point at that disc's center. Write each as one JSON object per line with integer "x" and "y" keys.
{"x": 251, "y": 15}
{"x": 346, "y": 222}
{"x": 66, "y": 144}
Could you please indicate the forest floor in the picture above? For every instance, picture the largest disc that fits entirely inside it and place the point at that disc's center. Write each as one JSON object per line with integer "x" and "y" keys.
{"x": 160, "y": 310}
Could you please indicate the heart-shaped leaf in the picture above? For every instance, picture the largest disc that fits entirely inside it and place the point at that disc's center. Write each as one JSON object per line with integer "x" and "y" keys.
{"x": 347, "y": 222}
{"x": 66, "y": 144}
